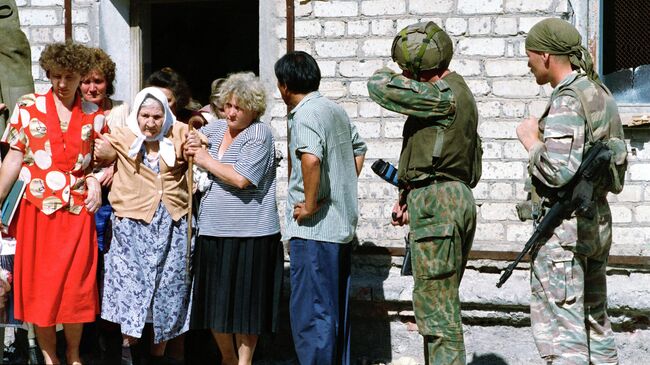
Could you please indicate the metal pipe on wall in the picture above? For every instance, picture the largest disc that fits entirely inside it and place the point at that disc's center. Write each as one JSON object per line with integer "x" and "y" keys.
{"x": 290, "y": 25}
{"x": 67, "y": 19}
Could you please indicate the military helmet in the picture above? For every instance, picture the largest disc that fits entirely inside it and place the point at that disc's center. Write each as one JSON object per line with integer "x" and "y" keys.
{"x": 422, "y": 47}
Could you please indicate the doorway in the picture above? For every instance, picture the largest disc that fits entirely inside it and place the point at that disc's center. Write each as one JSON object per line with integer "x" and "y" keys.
{"x": 201, "y": 40}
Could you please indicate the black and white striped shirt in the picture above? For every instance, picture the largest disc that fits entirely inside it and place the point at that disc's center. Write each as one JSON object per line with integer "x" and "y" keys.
{"x": 227, "y": 211}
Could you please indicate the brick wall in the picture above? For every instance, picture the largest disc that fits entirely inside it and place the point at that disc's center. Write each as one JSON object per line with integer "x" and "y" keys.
{"x": 352, "y": 38}
{"x": 42, "y": 22}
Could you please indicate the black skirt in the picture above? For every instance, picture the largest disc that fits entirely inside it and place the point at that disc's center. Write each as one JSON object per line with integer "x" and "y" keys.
{"x": 237, "y": 284}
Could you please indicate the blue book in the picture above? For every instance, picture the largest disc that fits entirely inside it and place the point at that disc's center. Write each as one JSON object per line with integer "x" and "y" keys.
{"x": 11, "y": 203}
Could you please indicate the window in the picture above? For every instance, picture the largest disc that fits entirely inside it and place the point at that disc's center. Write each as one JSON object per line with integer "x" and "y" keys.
{"x": 625, "y": 54}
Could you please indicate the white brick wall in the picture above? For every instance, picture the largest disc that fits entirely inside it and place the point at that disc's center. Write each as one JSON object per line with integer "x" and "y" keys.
{"x": 377, "y": 47}
{"x": 456, "y": 26}
{"x": 325, "y": 9}
{"x": 527, "y": 6}
{"x": 430, "y": 6}
{"x": 505, "y": 26}
{"x": 352, "y": 38}
{"x": 343, "y": 48}
{"x": 334, "y": 29}
{"x": 306, "y": 28}
{"x": 36, "y": 16}
{"x": 481, "y": 46}
{"x": 383, "y": 7}
{"x": 47, "y": 3}
{"x": 358, "y": 27}
{"x": 480, "y": 6}
{"x": 382, "y": 27}
{"x": 504, "y": 67}
{"x": 359, "y": 68}
{"x": 515, "y": 88}
{"x": 480, "y": 26}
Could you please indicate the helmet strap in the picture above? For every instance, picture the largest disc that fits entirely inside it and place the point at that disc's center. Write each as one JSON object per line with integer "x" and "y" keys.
{"x": 405, "y": 50}
{"x": 417, "y": 61}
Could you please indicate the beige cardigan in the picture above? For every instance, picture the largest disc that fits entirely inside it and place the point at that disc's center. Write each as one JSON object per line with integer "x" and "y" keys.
{"x": 137, "y": 190}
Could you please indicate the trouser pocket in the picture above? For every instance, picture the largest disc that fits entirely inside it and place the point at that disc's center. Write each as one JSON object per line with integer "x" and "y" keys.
{"x": 562, "y": 283}
{"x": 433, "y": 251}
{"x": 556, "y": 274}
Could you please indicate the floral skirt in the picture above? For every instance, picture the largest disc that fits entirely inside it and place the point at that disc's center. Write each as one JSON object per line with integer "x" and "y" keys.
{"x": 145, "y": 279}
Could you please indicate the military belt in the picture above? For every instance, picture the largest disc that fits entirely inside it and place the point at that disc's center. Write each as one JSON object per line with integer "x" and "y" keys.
{"x": 417, "y": 184}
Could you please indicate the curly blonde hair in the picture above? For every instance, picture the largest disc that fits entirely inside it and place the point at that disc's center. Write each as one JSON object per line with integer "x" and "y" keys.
{"x": 247, "y": 88}
{"x": 103, "y": 64}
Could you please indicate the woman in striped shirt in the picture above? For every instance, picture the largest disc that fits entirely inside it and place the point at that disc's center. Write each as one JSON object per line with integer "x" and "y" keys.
{"x": 239, "y": 256}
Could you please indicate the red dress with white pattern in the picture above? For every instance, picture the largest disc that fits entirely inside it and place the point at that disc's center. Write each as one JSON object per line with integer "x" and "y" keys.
{"x": 56, "y": 252}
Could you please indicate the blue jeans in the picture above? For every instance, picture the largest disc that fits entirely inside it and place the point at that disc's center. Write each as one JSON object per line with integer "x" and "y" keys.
{"x": 320, "y": 289}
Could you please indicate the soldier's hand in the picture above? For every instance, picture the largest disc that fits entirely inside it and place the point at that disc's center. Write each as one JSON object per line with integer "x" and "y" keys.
{"x": 400, "y": 215}
{"x": 528, "y": 132}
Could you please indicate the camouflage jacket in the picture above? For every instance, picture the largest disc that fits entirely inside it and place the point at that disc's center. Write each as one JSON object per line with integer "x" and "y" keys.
{"x": 564, "y": 132}
{"x": 440, "y": 139}
{"x": 425, "y": 100}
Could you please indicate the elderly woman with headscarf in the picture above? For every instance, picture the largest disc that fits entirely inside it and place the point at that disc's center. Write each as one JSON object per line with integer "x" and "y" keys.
{"x": 568, "y": 306}
{"x": 145, "y": 273}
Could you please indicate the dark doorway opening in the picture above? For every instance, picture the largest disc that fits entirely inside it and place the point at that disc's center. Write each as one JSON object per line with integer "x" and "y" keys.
{"x": 201, "y": 40}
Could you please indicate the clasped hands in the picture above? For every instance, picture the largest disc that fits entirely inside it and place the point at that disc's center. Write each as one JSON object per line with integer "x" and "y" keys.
{"x": 194, "y": 148}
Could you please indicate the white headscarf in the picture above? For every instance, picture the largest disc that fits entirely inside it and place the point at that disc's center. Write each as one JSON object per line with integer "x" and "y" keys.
{"x": 167, "y": 152}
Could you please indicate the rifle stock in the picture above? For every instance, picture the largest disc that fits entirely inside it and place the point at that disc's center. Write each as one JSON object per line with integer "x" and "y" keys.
{"x": 576, "y": 196}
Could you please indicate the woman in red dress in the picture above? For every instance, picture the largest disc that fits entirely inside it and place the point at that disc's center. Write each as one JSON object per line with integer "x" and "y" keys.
{"x": 51, "y": 151}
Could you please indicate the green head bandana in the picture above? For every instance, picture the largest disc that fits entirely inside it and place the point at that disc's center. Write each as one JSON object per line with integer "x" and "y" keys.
{"x": 558, "y": 37}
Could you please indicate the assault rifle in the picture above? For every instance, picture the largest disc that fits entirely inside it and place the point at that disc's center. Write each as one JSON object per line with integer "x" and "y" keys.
{"x": 576, "y": 196}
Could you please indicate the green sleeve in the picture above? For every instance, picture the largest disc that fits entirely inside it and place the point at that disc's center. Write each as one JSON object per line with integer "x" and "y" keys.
{"x": 400, "y": 94}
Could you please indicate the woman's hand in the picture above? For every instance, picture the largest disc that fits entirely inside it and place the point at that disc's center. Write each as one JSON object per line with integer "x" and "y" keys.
{"x": 106, "y": 179}
{"x": 200, "y": 154}
{"x": 194, "y": 148}
{"x": 193, "y": 139}
{"x": 94, "y": 199}
{"x": 104, "y": 151}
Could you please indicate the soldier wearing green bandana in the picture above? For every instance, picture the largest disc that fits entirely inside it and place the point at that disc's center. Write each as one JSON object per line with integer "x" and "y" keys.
{"x": 568, "y": 307}
{"x": 15, "y": 60}
{"x": 439, "y": 163}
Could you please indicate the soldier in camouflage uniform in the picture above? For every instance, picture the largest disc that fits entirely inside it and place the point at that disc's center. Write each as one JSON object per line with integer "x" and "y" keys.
{"x": 439, "y": 163}
{"x": 15, "y": 60}
{"x": 569, "y": 297}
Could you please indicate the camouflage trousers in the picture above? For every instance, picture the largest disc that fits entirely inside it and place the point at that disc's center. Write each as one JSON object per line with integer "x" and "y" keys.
{"x": 442, "y": 224}
{"x": 568, "y": 308}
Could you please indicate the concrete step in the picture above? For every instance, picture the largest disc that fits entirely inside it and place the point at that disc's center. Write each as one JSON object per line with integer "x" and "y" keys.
{"x": 496, "y": 321}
